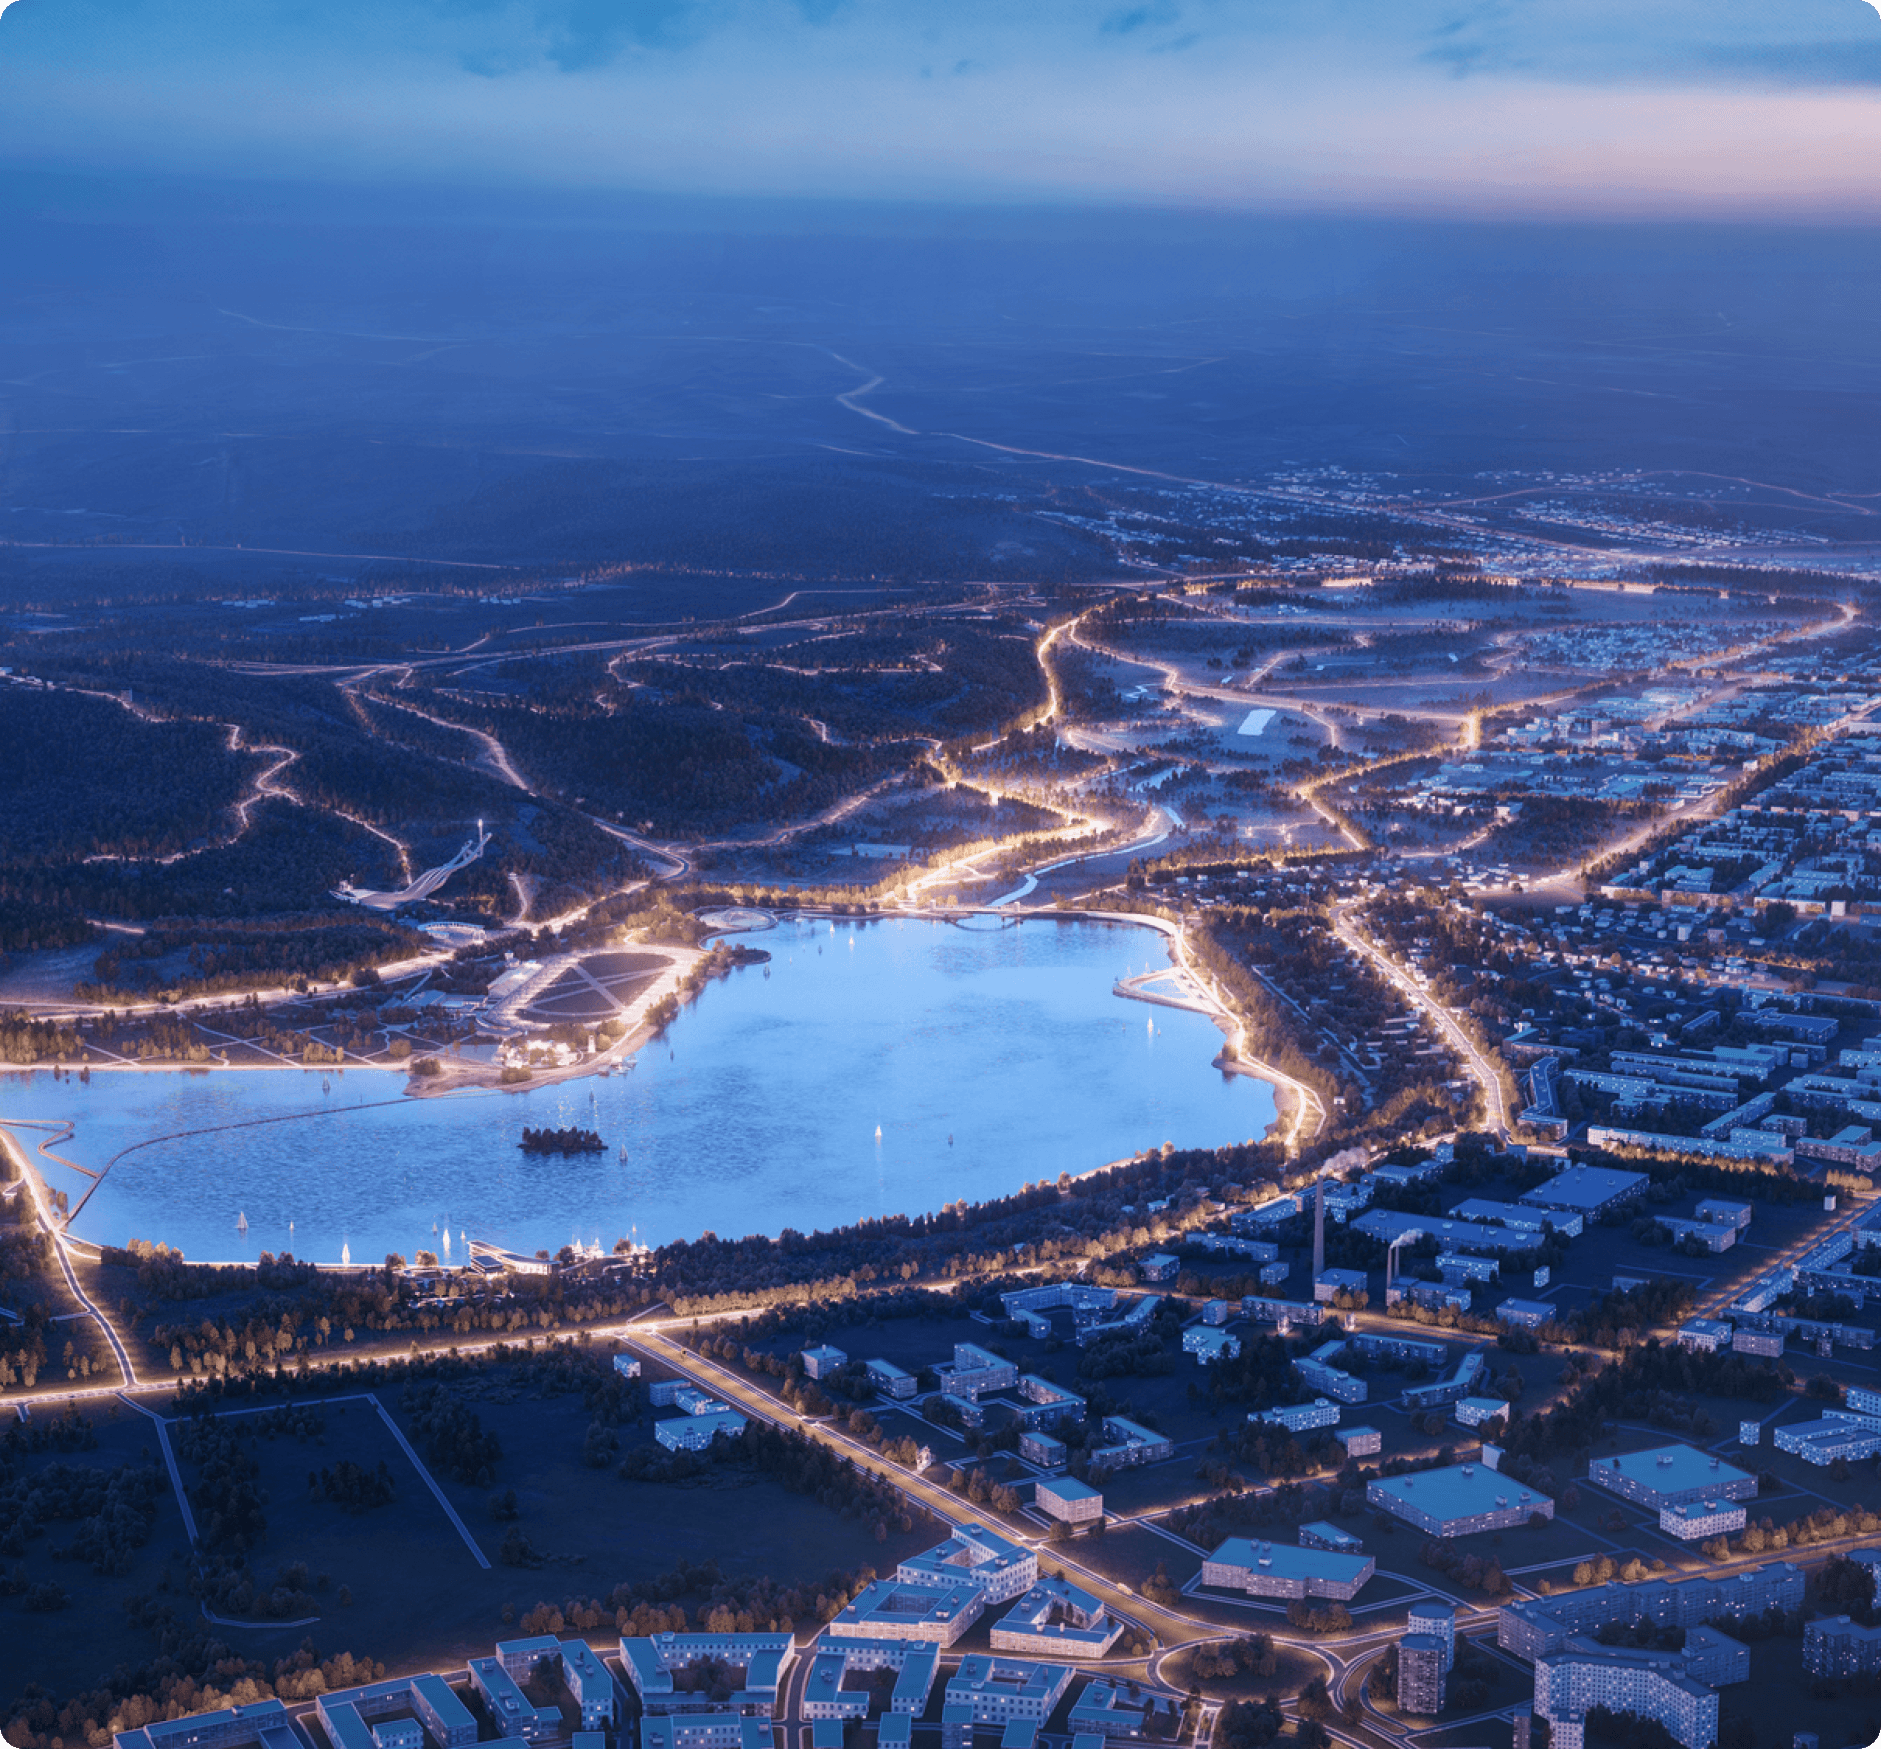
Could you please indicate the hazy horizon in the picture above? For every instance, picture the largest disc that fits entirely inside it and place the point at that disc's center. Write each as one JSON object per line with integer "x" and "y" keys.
{"x": 1556, "y": 107}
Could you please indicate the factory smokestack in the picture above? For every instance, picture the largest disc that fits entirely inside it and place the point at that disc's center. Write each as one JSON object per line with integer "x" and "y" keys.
{"x": 1319, "y": 1229}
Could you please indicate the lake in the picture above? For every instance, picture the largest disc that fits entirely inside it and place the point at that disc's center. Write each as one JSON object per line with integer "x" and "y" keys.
{"x": 990, "y": 1055}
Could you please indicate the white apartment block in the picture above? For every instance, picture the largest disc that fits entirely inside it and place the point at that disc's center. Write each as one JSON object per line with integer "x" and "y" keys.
{"x": 1584, "y": 1675}
{"x": 1321, "y": 1412}
{"x": 1692, "y": 1519}
{"x": 975, "y": 1556}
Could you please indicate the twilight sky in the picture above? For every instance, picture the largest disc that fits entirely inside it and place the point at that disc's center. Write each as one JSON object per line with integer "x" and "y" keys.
{"x": 1622, "y": 107}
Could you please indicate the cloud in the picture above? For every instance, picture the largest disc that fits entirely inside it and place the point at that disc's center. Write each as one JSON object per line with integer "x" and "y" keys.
{"x": 1137, "y": 18}
{"x": 1606, "y": 105}
{"x": 591, "y": 33}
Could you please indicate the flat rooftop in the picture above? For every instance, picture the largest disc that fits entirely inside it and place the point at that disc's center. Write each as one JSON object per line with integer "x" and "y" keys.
{"x": 1528, "y": 1308}
{"x": 1672, "y": 1469}
{"x": 1285, "y": 1561}
{"x": 1461, "y": 1491}
{"x": 1584, "y": 1187}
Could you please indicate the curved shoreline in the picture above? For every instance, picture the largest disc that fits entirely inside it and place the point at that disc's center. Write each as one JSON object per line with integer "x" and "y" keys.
{"x": 50, "y": 1102}
{"x": 1293, "y": 1102}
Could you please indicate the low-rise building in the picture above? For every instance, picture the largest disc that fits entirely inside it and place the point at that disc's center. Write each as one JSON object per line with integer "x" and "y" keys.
{"x": 999, "y": 1690}
{"x": 1521, "y": 1216}
{"x": 1528, "y": 1314}
{"x": 1338, "y": 1281}
{"x": 761, "y": 1661}
{"x": 1691, "y": 1519}
{"x": 1320, "y": 1371}
{"x": 1210, "y": 1345}
{"x": 1217, "y": 1312}
{"x": 696, "y": 1432}
{"x": 894, "y": 1609}
{"x": 1042, "y": 1449}
{"x": 1124, "y": 1712}
{"x": 1458, "y": 1383}
{"x": 891, "y": 1380}
{"x": 1161, "y": 1267}
{"x": 261, "y": 1724}
{"x": 1057, "y": 1619}
{"x": 1706, "y": 1335}
{"x": 820, "y": 1362}
{"x": 1766, "y": 1343}
{"x": 1360, "y": 1441}
{"x": 1264, "y": 1569}
{"x": 1724, "y": 1210}
{"x": 916, "y": 1664}
{"x": 1587, "y": 1191}
{"x": 717, "y": 1730}
{"x": 1474, "y": 1411}
{"x": 975, "y": 1371}
{"x": 1299, "y": 1417}
{"x": 824, "y": 1696}
{"x": 512, "y": 1712}
{"x": 585, "y": 1676}
{"x": 1835, "y": 1435}
{"x": 391, "y": 1714}
{"x": 1285, "y": 1315}
{"x": 1043, "y": 1404}
{"x": 1457, "y": 1501}
{"x": 974, "y": 1555}
{"x": 1321, "y": 1535}
{"x": 1068, "y": 1500}
{"x": 1130, "y": 1444}
{"x": 1671, "y": 1473}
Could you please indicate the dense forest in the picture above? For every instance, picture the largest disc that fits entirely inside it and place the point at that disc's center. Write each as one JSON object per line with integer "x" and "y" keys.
{"x": 88, "y": 776}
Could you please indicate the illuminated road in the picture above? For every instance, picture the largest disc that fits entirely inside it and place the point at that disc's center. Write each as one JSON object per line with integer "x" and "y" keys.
{"x": 55, "y": 1231}
{"x": 1481, "y": 1069}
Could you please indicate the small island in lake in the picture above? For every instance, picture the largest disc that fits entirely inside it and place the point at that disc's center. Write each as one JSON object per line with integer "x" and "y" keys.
{"x": 568, "y": 1141}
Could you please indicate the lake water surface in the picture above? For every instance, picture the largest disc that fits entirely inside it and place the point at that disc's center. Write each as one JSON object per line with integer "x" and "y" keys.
{"x": 990, "y": 1057}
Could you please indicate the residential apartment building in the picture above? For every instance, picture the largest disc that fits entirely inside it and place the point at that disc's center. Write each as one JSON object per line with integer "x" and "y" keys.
{"x": 1669, "y": 1474}
{"x": 1422, "y": 1674}
{"x": 1057, "y": 1619}
{"x": 976, "y": 1556}
{"x": 1534, "y": 1627}
{"x": 1839, "y": 1646}
{"x": 1654, "y": 1685}
{"x": 1264, "y": 1569}
{"x": 999, "y": 1690}
{"x": 1299, "y": 1417}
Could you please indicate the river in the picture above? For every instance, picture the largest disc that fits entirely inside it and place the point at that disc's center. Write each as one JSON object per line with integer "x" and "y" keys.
{"x": 990, "y": 1055}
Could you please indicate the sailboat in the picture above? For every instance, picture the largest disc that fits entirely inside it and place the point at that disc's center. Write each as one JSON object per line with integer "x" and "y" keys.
{"x": 623, "y": 1151}
{"x": 241, "y": 1221}
{"x": 346, "y": 1255}
{"x": 326, "y": 1083}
